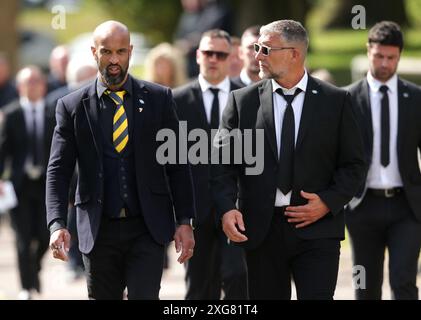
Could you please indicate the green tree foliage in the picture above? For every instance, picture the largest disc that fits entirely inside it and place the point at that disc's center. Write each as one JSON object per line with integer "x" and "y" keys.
{"x": 376, "y": 11}
{"x": 252, "y": 12}
{"x": 158, "y": 18}
{"x": 154, "y": 18}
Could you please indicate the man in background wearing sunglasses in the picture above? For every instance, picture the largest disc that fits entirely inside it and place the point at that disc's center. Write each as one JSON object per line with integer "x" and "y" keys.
{"x": 290, "y": 218}
{"x": 217, "y": 265}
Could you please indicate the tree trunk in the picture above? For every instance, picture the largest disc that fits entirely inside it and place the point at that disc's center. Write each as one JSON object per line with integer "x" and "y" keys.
{"x": 8, "y": 31}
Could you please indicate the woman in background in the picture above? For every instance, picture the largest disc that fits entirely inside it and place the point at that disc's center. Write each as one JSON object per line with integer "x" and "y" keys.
{"x": 165, "y": 65}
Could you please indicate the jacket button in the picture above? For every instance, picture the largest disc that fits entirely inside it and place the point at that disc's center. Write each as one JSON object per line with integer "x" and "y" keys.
{"x": 100, "y": 175}
{"x": 99, "y": 201}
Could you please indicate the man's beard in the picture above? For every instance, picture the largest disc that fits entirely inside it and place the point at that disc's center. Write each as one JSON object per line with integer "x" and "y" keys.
{"x": 113, "y": 79}
{"x": 266, "y": 75}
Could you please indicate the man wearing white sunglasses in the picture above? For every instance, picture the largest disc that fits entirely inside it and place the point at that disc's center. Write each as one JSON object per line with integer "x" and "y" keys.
{"x": 290, "y": 218}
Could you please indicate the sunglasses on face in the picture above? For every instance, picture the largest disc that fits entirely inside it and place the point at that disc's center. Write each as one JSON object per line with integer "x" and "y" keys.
{"x": 219, "y": 54}
{"x": 266, "y": 49}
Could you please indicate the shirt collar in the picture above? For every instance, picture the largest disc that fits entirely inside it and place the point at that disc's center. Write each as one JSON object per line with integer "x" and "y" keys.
{"x": 29, "y": 106}
{"x": 245, "y": 77}
{"x": 375, "y": 84}
{"x": 302, "y": 84}
{"x": 224, "y": 85}
{"x": 102, "y": 87}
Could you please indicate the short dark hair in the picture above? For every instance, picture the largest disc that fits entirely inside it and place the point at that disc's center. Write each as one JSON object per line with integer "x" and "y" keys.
{"x": 386, "y": 33}
{"x": 217, "y": 33}
{"x": 253, "y": 30}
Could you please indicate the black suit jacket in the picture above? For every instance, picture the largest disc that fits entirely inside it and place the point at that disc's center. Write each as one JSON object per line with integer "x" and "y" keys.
{"x": 408, "y": 140}
{"x": 328, "y": 159}
{"x": 238, "y": 82}
{"x": 162, "y": 189}
{"x": 14, "y": 142}
{"x": 190, "y": 108}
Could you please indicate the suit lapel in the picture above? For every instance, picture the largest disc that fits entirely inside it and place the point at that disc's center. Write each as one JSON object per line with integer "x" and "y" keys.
{"x": 311, "y": 100}
{"x": 141, "y": 110}
{"x": 403, "y": 104}
{"x": 91, "y": 110}
{"x": 266, "y": 104}
{"x": 198, "y": 97}
{"x": 364, "y": 102}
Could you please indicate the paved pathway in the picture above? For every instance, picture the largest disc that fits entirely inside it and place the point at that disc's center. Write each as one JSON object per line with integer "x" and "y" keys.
{"x": 55, "y": 285}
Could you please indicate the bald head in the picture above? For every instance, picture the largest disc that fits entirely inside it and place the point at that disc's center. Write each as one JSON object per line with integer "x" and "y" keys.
{"x": 112, "y": 51}
{"x": 59, "y": 58}
{"x": 31, "y": 83}
{"x": 108, "y": 29}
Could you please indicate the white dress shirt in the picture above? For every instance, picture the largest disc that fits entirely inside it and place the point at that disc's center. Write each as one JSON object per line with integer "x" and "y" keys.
{"x": 245, "y": 77}
{"x": 29, "y": 109}
{"x": 224, "y": 89}
{"x": 380, "y": 177}
{"x": 279, "y": 107}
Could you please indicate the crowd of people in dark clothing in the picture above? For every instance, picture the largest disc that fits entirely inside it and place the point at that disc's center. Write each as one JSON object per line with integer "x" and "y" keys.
{"x": 364, "y": 174}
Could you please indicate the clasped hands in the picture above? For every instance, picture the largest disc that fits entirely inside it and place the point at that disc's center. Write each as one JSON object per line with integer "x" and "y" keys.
{"x": 304, "y": 215}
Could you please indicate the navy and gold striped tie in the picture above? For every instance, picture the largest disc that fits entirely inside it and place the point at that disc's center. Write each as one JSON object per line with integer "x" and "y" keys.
{"x": 120, "y": 124}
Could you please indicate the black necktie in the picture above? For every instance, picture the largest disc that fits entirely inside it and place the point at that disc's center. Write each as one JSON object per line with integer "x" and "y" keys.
{"x": 214, "y": 123}
{"x": 286, "y": 155}
{"x": 34, "y": 138}
{"x": 385, "y": 130}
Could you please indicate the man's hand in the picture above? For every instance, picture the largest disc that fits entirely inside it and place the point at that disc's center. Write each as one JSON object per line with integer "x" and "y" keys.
{"x": 230, "y": 221}
{"x": 60, "y": 244}
{"x": 184, "y": 242}
{"x": 309, "y": 213}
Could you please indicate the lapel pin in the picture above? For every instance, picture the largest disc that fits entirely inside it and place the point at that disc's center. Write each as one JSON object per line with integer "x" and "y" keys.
{"x": 405, "y": 95}
{"x": 314, "y": 91}
{"x": 141, "y": 101}
{"x": 140, "y": 109}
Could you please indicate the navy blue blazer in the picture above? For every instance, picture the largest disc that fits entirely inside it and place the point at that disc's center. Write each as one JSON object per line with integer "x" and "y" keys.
{"x": 165, "y": 192}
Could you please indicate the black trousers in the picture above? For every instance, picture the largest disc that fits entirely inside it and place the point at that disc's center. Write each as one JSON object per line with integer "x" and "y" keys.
{"x": 32, "y": 236}
{"x": 313, "y": 264}
{"x": 379, "y": 223}
{"x": 124, "y": 255}
{"x": 215, "y": 266}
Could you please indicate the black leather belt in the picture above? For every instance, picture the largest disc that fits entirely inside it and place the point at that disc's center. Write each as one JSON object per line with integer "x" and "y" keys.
{"x": 386, "y": 193}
